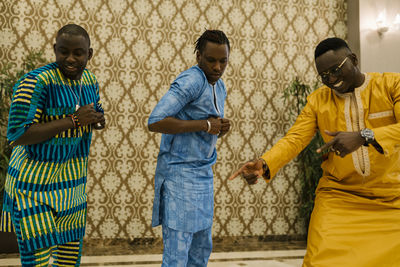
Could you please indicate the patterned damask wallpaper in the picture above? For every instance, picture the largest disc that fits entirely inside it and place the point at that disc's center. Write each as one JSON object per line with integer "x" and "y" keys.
{"x": 139, "y": 48}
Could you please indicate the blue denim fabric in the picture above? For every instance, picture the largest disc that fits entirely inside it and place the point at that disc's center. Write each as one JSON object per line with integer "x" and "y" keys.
{"x": 182, "y": 249}
{"x": 185, "y": 160}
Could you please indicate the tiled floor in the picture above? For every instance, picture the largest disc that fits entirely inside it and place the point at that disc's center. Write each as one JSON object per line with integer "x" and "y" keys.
{"x": 279, "y": 258}
{"x": 226, "y": 253}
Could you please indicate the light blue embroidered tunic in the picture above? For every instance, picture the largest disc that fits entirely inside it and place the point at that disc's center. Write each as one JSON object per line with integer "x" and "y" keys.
{"x": 185, "y": 160}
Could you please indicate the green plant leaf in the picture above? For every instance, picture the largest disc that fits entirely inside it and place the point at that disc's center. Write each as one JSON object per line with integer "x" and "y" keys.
{"x": 309, "y": 161}
{"x": 9, "y": 76}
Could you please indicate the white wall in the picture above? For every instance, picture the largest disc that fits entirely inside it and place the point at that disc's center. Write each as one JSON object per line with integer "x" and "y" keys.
{"x": 378, "y": 53}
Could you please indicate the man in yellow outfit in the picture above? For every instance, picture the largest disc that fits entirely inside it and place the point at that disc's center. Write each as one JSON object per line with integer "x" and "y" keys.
{"x": 356, "y": 216}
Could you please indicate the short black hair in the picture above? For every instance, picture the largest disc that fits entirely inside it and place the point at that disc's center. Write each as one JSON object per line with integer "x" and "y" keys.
{"x": 214, "y": 36}
{"x": 73, "y": 29}
{"x": 333, "y": 43}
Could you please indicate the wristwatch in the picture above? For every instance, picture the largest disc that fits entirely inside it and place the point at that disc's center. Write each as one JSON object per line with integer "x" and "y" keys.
{"x": 266, "y": 173}
{"x": 368, "y": 135}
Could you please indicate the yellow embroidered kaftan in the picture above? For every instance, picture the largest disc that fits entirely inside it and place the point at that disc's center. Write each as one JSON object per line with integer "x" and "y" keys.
{"x": 356, "y": 217}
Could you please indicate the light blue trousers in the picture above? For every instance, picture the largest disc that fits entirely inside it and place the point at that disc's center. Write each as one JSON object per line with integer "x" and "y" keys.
{"x": 182, "y": 249}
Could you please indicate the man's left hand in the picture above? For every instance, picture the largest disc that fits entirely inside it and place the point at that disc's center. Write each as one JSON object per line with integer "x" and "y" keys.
{"x": 343, "y": 143}
{"x": 225, "y": 126}
{"x": 100, "y": 125}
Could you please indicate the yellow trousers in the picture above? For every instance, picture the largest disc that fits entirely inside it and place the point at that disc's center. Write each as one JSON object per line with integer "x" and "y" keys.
{"x": 347, "y": 230}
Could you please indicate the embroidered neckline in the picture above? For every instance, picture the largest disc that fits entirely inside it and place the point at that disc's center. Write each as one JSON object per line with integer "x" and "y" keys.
{"x": 355, "y": 122}
{"x": 360, "y": 88}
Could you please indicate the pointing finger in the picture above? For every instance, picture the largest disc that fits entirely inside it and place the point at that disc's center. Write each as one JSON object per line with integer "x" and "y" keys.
{"x": 325, "y": 146}
{"x": 236, "y": 174}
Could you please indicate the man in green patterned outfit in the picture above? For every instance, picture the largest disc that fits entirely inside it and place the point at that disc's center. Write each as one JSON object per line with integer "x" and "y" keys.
{"x": 53, "y": 112}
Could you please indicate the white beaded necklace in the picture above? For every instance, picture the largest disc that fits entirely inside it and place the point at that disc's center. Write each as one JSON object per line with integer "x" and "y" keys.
{"x": 76, "y": 97}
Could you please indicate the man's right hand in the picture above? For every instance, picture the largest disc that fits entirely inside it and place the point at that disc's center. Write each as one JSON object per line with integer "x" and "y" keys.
{"x": 88, "y": 115}
{"x": 250, "y": 171}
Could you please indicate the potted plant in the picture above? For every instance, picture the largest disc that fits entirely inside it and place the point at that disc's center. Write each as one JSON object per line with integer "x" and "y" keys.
{"x": 309, "y": 160}
{"x": 9, "y": 76}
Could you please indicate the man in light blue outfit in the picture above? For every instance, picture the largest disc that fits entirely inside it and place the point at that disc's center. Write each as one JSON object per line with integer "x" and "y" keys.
{"x": 191, "y": 117}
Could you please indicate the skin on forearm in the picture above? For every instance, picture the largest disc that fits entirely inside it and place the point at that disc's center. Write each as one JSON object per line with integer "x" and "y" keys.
{"x": 172, "y": 125}
{"x": 40, "y": 132}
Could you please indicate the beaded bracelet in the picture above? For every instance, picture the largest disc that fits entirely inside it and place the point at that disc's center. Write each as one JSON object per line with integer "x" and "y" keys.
{"x": 72, "y": 119}
{"x": 76, "y": 120}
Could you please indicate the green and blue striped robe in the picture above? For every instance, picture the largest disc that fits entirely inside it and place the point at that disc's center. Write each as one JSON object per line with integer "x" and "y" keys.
{"x": 45, "y": 190}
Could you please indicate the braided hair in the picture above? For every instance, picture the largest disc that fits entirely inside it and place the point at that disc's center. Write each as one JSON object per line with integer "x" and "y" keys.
{"x": 214, "y": 36}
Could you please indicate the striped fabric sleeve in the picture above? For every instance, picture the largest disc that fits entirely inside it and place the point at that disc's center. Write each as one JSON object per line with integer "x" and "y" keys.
{"x": 90, "y": 79}
{"x": 99, "y": 105}
{"x": 26, "y": 107}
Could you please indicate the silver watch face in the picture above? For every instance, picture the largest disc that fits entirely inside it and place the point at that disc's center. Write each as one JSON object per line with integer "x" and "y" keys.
{"x": 367, "y": 134}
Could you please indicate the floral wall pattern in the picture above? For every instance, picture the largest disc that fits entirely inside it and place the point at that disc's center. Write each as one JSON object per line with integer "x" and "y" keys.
{"x": 140, "y": 46}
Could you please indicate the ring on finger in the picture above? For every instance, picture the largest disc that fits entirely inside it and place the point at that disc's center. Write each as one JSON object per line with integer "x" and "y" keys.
{"x": 337, "y": 152}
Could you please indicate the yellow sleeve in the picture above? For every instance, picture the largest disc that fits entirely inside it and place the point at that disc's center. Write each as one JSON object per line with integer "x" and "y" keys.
{"x": 295, "y": 140}
{"x": 388, "y": 136}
